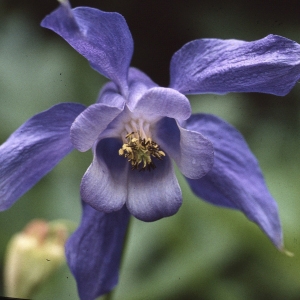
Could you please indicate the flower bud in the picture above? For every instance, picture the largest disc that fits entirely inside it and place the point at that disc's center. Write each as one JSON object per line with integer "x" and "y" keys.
{"x": 33, "y": 255}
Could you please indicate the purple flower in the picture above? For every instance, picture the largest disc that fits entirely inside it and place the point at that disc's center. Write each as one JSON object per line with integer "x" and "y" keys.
{"x": 134, "y": 130}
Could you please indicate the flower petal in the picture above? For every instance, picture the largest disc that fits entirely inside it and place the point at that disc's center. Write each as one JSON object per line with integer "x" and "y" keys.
{"x": 163, "y": 102}
{"x": 34, "y": 149}
{"x": 94, "y": 251}
{"x": 138, "y": 83}
{"x": 104, "y": 185}
{"x": 103, "y": 38}
{"x": 135, "y": 75}
{"x": 270, "y": 65}
{"x": 235, "y": 181}
{"x": 192, "y": 152}
{"x": 110, "y": 96}
{"x": 155, "y": 194}
{"x": 91, "y": 123}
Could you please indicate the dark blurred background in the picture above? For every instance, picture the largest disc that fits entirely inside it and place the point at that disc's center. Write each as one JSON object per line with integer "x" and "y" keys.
{"x": 203, "y": 252}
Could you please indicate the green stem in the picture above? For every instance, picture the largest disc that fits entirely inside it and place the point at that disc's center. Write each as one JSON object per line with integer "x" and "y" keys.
{"x": 109, "y": 296}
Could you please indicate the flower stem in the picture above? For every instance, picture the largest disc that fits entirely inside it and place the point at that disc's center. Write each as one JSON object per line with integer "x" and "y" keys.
{"x": 108, "y": 296}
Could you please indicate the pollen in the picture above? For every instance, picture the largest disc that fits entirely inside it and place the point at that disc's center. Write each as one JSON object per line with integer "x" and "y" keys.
{"x": 140, "y": 151}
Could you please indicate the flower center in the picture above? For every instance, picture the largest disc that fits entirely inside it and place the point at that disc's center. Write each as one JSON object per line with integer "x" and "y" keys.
{"x": 138, "y": 147}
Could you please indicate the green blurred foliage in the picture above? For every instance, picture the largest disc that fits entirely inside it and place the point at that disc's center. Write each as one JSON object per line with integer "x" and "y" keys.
{"x": 203, "y": 252}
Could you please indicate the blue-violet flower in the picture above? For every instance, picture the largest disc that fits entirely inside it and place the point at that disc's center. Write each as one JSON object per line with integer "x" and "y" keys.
{"x": 134, "y": 130}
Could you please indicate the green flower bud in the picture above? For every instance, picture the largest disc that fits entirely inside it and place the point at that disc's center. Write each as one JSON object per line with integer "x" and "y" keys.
{"x": 33, "y": 255}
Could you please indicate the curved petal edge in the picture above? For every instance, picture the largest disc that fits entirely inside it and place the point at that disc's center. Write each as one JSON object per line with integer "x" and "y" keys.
{"x": 269, "y": 65}
{"x": 94, "y": 251}
{"x": 103, "y": 38}
{"x": 34, "y": 149}
{"x": 235, "y": 181}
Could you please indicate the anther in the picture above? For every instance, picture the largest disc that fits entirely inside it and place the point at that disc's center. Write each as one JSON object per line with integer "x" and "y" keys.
{"x": 139, "y": 152}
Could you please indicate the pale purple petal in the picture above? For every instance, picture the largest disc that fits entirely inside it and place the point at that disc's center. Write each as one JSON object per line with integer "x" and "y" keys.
{"x": 103, "y": 38}
{"x": 135, "y": 75}
{"x": 163, "y": 102}
{"x": 235, "y": 181}
{"x": 104, "y": 185}
{"x": 270, "y": 65}
{"x": 110, "y": 95}
{"x": 139, "y": 83}
{"x": 91, "y": 123}
{"x": 156, "y": 194}
{"x": 192, "y": 152}
{"x": 94, "y": 251}
{"x": 34, "y": 149}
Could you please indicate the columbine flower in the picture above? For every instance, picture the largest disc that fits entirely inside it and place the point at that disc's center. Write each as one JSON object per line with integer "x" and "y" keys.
{"x": 136, "y": 128}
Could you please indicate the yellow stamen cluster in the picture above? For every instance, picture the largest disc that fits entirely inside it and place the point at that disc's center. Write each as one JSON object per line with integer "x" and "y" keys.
{"x": 139, "y": 151}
